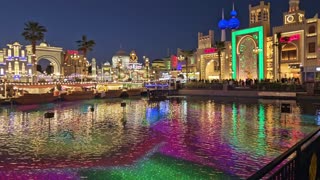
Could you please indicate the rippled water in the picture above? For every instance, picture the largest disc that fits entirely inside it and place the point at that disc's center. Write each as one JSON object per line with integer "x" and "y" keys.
{"x": 192, "y": 138}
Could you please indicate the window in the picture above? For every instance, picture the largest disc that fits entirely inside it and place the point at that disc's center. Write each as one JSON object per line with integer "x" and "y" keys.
{"x": 312, "y": 29}
{"x": 216, "y": 66}
{"x": 16, "y": 67}
{"x": 312, "y": 47}
{"x": 289, "y": 52}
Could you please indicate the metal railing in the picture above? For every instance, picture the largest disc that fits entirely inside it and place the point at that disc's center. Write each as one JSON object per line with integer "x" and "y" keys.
{"x": 303, "y": 161}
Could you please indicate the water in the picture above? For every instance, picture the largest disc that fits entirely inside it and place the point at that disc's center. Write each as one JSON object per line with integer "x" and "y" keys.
{"x": 192, "y": 138}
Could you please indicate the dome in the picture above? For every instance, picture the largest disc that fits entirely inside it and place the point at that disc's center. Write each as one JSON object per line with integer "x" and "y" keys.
{"x": 233, "y": 13}
{"x": 234, "y": 23}
{"x": 223, "y": 24}
{"x": 44, "y": 44}
{"x": 106, "y": 63}
{"x": 120, "y": 56}
{"x": 121, "y": 53}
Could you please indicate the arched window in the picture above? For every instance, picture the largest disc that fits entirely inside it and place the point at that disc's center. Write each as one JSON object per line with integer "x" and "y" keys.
{"x": 312, "y": 29}
{"x": 289, "y": 52}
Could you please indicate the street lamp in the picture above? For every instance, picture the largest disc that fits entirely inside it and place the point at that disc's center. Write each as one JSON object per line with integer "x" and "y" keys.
{"x": 75, "y": 57}
{"x": 256, "y": 51}
{"x": 146, "y": 60}
{"x": 181, "y": 58}
{"x": 119, "y": 66}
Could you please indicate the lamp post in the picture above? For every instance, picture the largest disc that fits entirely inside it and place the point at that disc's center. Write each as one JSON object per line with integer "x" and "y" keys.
{"x": 181, "y": 58}
{"x": 146, "y": 60}
{"x": 256, "y": 51}
{"x": 119, "y": 67}
{"x": 75, "y": 57}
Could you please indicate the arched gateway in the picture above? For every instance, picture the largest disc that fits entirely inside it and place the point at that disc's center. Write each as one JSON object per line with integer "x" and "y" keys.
{"x": 53, "y": 54}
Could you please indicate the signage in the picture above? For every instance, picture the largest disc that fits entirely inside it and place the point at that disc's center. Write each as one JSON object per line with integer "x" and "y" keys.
{"x": 317, "y": 68}
{"x": 285, "y": 108}
{"x": 289, "y": 39}
{"x": 72, "y": 52}
{"x": 294, "y": 66}
{"x": 174, "y": 61}
{"x": 209, "y": 50}
{"x": 134, "y": 66}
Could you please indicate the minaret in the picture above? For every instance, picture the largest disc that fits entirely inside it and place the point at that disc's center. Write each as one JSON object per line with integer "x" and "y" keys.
{"x": 293, "y": 5}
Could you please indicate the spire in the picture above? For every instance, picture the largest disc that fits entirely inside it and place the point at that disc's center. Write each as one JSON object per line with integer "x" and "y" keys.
{"x": 222, "y": 17}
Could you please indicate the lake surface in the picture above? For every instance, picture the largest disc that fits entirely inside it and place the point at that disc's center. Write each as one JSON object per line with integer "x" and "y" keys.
{"x": 185, "y": 138}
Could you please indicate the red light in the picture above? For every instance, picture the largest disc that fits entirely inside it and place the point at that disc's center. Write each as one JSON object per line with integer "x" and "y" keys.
{"x": 174, "y": 61}
{"x": 290, "y": 38}
{"x": 72, "y": 52}
{"x": 210, "y": 50}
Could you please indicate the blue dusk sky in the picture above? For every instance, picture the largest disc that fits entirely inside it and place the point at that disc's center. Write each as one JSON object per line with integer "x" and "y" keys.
{"x": 150, "y": 27}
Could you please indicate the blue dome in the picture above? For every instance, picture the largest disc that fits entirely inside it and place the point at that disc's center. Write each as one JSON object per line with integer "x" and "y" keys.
{"x": 234, "y": 23}
{"x": 223, "y": 24}
{"x": 233, "y": 13}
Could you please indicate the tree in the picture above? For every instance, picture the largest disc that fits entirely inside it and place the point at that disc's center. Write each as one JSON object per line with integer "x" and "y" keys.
{"x": 85, "y": 45}
{"x": 187, "y": 54}
{"x": 33, "y": 32}
{"x": 220, "y": 46}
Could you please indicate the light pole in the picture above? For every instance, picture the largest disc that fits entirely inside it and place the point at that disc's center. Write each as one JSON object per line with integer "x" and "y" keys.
{"x": 75, "y": 57}
{"x": 181, "y": 58}
{"x": 146, "y": 60}
{"x": 119, "y": 67}
{"x": 256, "y": 51}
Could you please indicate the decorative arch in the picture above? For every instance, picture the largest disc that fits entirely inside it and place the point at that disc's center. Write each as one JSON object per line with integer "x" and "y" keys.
{"x": 55, "y": 62}
{"x": 212, "y": 69}
{"x": 247, "y": 61}
{"x": 53, "y": 54}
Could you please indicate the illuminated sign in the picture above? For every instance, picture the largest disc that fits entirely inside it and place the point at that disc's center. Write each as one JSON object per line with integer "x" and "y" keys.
{"x": 210, "y": 50}
{"x": 72, "y": 52}
{"x": 318, "y": 69}
{"x": 134, "y": 66}
{"x": 290, "y": 38}
{"x": 174, "y": 61}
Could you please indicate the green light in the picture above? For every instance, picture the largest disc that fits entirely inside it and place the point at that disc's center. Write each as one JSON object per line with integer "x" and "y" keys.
{"x": 258, "y": 30}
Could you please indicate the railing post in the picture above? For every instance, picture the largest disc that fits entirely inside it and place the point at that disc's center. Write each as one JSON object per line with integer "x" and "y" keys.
{"x": 298, "y": 164}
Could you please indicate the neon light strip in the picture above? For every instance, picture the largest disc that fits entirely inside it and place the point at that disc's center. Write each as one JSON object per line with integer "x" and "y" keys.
{"x": 259, "y": 30}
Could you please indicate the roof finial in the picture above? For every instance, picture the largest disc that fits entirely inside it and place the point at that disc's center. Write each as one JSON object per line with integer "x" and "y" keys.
{"x": 233, "y": 6}
{"x": 222, "y": 13}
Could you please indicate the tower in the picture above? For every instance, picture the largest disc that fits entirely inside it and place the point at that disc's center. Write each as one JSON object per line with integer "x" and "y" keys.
{"x": 223, "y": 25}
{"x": 259, "y": 15}
{"x": 293, "y": 5}
{"x": 294, "y": 15}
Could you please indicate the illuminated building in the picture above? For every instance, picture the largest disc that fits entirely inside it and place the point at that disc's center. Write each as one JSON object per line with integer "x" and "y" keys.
{"x": 121, "y": 58}
{"x": 251, "y": 48}
{"x": 15, "y": 64}
{"x": 75, "y": 64}
{"x": 298, "y": 41}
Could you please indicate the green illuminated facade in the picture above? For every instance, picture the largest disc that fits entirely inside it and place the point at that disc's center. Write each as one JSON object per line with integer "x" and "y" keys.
{"x": 248, "y": 53}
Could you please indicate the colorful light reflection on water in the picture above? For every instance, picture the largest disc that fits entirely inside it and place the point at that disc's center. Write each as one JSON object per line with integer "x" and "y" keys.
{"x": 189, "y": 138}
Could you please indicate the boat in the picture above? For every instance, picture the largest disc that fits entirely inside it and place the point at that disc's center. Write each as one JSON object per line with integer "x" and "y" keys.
{"x": 134, "y": 92}
{"x": 27, "y": 98}
{"x": 78, "y": 95}
{"x": 114, "y": 93}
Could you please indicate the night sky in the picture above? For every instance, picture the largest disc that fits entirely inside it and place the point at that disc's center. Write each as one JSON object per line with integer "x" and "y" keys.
{"x": 148, "y": 26}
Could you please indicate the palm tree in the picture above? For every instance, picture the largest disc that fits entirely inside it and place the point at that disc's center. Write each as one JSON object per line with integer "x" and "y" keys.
{"x": 187, "y": 54}
{"x": 85, "y": 45}
{"x": 33, "y": 32}
{"x": 220, "y": 46}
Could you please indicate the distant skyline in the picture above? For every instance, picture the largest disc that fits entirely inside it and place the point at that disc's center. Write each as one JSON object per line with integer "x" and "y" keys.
{"x": 148, "y": 27}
